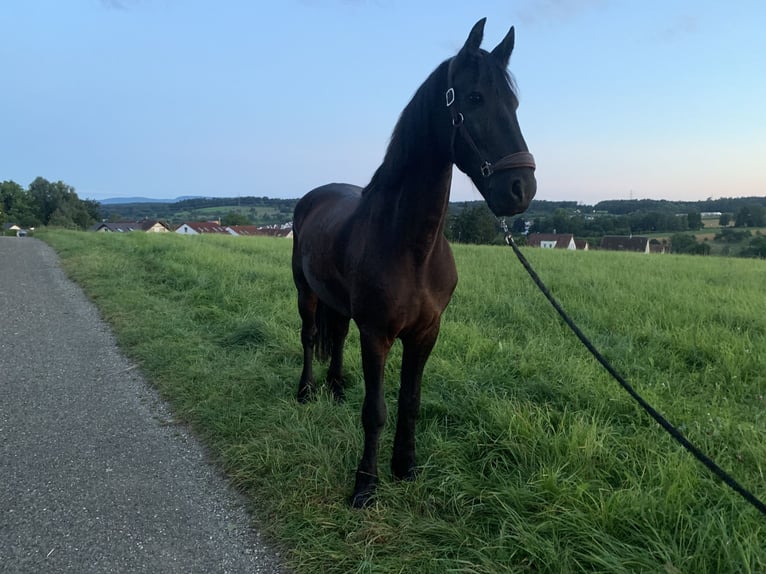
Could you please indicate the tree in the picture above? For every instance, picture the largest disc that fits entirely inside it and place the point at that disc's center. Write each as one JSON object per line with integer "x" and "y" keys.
{"x": 57, "y": 204}
{"x": 683, "y": 243}
{"x": 560, "y": 221}
{"x": 750, "y": 216}
{"x": 724, "y": 220}
{"x": 694, "y": 220}
{"x": 16, "y": 205}
{"x": 756, "y": 247}
{"x": 731, "y": 235}
{"x": 235, "y": 218}
{"x": 519, "y": 226}
{"x": 474, "y": 225}
{"x": 10, "y": 193}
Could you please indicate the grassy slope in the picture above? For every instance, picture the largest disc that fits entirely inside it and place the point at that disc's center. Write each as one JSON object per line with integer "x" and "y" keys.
{"x": 207, "y": 213}
{"x": 533, "y": 460}
{"x": 708, "y": 233}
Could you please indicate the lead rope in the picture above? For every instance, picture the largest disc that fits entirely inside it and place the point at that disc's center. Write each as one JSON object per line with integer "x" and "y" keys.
{"x": 662, "y": 421}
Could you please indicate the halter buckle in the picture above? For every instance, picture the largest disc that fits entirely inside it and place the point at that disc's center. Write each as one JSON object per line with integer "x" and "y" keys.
{"x": 486, "y": 169}
{"x": 457, "y": 120}
{"x": 450, "y": 95}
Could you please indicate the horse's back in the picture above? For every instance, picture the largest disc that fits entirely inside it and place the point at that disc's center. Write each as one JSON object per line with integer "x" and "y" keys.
{"x": 322, "y": 224}
{"x": 332, "y": 203}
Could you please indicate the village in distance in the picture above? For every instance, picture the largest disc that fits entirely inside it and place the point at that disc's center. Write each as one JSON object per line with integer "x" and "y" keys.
{"x": 723, "y": 226}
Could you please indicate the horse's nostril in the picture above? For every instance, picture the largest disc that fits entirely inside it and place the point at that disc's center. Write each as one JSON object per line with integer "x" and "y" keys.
{"x": 517, "y": 190}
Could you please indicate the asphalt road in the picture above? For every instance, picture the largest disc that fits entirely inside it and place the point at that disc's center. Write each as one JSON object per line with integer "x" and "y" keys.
{"x": 95, "y": 476}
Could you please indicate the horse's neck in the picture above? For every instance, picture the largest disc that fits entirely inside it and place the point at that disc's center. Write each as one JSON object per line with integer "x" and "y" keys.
{"x": 423, "y": 206}
{"x": 409, "y": 193}
{"x": 413, "y": 213}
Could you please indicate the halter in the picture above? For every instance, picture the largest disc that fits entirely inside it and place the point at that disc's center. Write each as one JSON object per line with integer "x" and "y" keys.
{"x": 510, "y": 161}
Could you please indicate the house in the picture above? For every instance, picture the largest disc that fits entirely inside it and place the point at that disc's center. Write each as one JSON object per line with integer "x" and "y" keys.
{"x": 8, "y": 228}
{"x": 154, "y": 226}
{"x": 625, "y": 243}
{"x": 269, "y": 231}
{"x": 244, "y": 230}
{"x": 581, "y": 245}
{"x": 115, "y": 226}
{"x": 552, "y": 240}
{"x": 148, "y": 226}
{"x": 200, "y": 227}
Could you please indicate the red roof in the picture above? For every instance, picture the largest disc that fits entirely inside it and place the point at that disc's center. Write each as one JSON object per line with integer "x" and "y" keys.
{"x": 205, "y": 226}
{"x": 562, "y": 239}
{"x": 625, "y": 243}
{"x": 272, "y": 231}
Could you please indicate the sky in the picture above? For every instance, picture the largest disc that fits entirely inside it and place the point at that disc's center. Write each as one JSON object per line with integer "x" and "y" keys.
{"x": 654, "y": 99}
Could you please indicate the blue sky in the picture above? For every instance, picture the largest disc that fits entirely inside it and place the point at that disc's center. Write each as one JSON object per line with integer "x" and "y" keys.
{"x": 163, "y": 98}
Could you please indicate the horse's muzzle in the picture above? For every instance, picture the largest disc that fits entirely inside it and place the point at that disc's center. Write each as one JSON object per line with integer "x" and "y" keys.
{"x": 511, "y": 191}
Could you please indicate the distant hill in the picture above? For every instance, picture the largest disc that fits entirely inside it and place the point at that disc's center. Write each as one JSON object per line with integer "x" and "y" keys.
{"x": 541, "y": 207}
{"x": 257, "y": 210}
{"x": 270, "y": 211}
{"x": 128, "y": 200}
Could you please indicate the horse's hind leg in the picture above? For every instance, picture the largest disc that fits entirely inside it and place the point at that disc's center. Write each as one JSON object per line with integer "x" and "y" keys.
{"x": 307, "y": 305}
{"x": 338, "y": 329}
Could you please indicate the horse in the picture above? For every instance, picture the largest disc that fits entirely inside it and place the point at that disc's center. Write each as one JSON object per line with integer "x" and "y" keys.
{"x": 378, "y": 254}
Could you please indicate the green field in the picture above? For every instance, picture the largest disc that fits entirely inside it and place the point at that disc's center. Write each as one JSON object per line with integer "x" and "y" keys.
{"x": 718, "y": 246}
{"x": 533, "y": 459}
{"x": 259, "y": 215}
{"x": 259, "y": 210}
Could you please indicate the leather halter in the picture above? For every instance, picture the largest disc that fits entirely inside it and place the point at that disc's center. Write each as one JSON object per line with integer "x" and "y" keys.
{"x": 510, "y": 161}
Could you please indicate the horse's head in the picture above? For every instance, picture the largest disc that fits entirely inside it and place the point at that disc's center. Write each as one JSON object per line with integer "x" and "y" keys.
{"x": 487, "y": 143}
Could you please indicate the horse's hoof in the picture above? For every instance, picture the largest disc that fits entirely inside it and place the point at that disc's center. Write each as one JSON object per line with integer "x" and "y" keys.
{"x": 364, "y": 490}
{"x": 337, "y": 388}
{"x": 305, "y": 395}
{"x": 409, "y": 475}
{"x": 412, "y": 474}
{"x": 362, "y": 499}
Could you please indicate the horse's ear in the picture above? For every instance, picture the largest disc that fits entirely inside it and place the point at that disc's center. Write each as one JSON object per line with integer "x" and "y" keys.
{"x": 503, "y": 50}
{"x": 473, "y": 42}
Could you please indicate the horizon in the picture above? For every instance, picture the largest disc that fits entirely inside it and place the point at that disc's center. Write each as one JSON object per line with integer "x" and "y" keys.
{"x": 140, "y": 199}
{"x": 146, "y": 98}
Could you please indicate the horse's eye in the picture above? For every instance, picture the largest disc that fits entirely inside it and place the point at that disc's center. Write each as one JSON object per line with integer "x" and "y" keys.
{"x": 475, "y": 98}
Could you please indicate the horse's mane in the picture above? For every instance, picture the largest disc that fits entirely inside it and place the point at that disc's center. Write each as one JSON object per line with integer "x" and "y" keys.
{"x": 412, "y": 128}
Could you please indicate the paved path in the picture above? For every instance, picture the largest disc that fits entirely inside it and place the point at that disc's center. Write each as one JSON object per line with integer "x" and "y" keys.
{"x": 94, "y": 475}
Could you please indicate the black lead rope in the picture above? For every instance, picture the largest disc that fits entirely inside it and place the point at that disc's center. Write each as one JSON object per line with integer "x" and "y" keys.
{"x": 662, "y": 421}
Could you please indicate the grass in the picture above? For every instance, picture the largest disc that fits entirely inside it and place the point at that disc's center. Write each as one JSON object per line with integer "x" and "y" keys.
{"x": 533, "y": 460}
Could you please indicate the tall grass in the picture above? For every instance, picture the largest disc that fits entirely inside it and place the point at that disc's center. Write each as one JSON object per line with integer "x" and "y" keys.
{"x": 533, "y": 460}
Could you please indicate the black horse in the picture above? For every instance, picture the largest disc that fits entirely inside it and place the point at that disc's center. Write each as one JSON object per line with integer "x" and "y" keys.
{"x": 378, "y": 255}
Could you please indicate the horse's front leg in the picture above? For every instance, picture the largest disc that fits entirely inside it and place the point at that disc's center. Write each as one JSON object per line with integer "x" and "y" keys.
{"x": 415, "y": 353}
{"x": 374, "y": 352}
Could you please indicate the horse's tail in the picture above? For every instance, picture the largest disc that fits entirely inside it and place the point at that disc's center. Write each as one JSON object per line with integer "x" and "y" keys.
{"x": 323, "y": 339}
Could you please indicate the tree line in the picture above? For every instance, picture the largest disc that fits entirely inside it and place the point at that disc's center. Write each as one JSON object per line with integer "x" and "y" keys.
{"x": 593, "y": 225}
{"x": 474, "y": 223}
{"x": 244, "y": 210}
{"x": 46, "y": 203}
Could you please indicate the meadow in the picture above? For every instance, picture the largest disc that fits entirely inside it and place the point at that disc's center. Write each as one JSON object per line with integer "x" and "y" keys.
{"x": 533, "y": 459}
